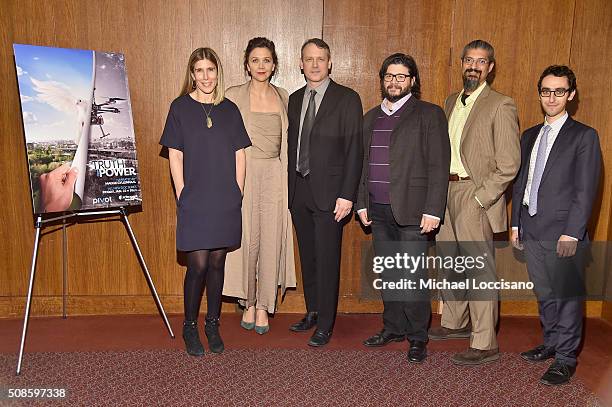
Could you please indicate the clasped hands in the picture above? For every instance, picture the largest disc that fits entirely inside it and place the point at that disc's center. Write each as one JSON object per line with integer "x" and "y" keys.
{"x": 428, "y": 223}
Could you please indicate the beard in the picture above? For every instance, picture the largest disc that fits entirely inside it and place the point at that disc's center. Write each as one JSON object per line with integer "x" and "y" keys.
{"x": 470, "y": 84}
{"x": 393, "y": 98}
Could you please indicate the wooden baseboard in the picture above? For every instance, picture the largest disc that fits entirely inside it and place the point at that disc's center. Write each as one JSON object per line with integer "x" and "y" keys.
{"x": 13, "y": 307}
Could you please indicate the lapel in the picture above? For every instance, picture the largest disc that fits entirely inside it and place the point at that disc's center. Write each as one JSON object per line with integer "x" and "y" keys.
{"x": 531, "y": 141}
{"x": 563, "y": 138}
{"x": 450, "y": 104}
{"x": 406, "y": 113}
{"x": 296, "y": 107}
{"x": 479, "y": 103}
{"x": 283, "y": 110}
{"x": 327, "y": 104}
{"x": 531, "y": 137}
{"x": 368, "y": 126}
{"x": 243, "y": 101}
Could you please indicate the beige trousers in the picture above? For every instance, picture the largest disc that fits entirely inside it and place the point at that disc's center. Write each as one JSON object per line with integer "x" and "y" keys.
{"x": 466, "y": 221}
{"x": 266, "y": 229}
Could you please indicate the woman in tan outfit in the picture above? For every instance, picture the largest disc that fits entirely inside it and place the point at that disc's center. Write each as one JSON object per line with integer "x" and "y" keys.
{"x": 265, "y": 259}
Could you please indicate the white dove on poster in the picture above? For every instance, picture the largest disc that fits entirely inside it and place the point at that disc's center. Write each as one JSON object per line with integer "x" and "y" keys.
{"x": 59, "y": 96}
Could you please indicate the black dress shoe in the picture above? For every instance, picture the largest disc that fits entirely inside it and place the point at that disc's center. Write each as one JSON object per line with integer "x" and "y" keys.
{"x": 305, "y": 324}
{"x": 417, "y": 351}
{"x": 383, "y": 338}
{"x": 319, "y": 338}
{"x": 538, "y": 354}
{"x": 558, "y": 373}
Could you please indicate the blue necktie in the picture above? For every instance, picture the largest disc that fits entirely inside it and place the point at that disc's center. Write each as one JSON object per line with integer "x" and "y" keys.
{"x": 538, "y": 171}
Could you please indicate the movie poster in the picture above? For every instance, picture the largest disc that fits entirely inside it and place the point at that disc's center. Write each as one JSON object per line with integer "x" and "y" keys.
{"x": 78, "y": 128}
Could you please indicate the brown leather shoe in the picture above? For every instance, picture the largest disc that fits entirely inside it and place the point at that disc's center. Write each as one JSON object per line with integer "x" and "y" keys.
{"x": 440, "y": 333}
{"x": 475, "y": 357}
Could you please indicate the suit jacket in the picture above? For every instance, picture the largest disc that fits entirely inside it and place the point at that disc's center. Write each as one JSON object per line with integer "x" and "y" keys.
{"x": 419, "y": 160}
{"x": 236, "y": 266}
{"x": 569, "y": 182}
{"x": 335, "y": 145}
{"x": 490, "y": 150}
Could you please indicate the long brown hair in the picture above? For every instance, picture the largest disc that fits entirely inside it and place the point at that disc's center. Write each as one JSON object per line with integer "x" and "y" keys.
{"x": 198, "y": 55}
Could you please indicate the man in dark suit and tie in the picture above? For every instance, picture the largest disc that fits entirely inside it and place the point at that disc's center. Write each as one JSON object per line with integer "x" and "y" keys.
{"x": 402, "y": 193}
{"x": 324, "y": 165}
{"x": 552, "y": 200}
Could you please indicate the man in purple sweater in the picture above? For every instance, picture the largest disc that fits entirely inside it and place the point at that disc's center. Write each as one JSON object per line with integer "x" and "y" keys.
{"x": 402, "y": 193}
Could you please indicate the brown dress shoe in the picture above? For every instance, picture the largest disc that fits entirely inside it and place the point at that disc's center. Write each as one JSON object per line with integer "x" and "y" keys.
{"x": 440, "y": 333}
{"x": 475, "y": 357}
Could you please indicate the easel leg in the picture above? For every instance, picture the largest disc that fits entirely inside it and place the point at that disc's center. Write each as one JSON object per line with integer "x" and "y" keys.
{"x": 146, "y": 270}
{"x": 26, "y": 318}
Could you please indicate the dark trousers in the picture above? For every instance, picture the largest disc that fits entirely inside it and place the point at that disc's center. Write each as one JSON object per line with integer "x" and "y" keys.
{"x": 559, "y": 288}
{"x": 410, "y": 316}
{"x": 319, "y": 240}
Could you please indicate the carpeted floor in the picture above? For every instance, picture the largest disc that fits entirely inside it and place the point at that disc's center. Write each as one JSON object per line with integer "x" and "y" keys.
{"x": 285, "y": 377}
{"x": 131, "y": 360}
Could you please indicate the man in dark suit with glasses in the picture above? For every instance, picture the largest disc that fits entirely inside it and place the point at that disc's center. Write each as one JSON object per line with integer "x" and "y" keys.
{"x": 552, "y": 200}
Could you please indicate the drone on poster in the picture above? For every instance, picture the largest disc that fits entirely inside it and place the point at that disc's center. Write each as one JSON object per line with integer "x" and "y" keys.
{"x": 97, "y": 109}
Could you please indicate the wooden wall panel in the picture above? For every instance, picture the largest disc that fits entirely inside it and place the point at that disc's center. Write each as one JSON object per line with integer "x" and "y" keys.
{"x": 591, "y": 46}
{"x": 18, "y": 231}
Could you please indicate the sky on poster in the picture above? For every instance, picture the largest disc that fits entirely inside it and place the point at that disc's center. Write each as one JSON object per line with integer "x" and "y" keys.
{"x": 51, "y": 83}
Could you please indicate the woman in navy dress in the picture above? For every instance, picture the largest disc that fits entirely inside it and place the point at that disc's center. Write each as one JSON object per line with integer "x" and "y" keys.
{"x": 206, "y": 138}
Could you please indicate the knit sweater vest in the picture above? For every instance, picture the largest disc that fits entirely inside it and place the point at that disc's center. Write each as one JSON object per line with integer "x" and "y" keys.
{"x": 380, "y": 174}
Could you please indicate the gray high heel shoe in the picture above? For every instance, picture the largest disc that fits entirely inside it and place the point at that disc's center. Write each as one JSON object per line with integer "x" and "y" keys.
{"x": 247, "y": 325}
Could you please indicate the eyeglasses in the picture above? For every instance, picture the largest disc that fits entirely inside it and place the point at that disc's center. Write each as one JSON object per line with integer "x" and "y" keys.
{"x": 400, "y": 77}
{"x": 478, "y": 61}
{"x": 559, "y": 92}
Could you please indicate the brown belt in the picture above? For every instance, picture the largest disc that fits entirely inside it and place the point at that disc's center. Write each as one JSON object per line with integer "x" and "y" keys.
{"x": 455, "y": 177}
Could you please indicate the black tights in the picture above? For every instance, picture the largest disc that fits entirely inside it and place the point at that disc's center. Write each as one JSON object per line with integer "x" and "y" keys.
{"x": 204, "y": 268}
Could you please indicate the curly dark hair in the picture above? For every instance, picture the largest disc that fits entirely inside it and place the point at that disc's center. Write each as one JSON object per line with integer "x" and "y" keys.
{"x": 260, "y": 42}
{"x": 408, "y": 62}
{"x": 559, "y": 71}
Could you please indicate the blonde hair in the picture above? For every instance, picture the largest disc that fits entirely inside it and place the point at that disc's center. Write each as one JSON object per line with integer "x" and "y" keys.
{"x": 210, "y": 55}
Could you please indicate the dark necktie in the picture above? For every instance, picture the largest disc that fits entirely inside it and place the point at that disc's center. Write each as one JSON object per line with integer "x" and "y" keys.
{"x": 304, "y": 157}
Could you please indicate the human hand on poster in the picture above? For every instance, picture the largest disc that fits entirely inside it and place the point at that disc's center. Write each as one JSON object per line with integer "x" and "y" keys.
{"x": 57, "y": 188}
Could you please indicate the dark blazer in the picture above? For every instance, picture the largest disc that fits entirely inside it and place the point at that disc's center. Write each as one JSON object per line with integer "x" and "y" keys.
{"x": 335, "y": 145}
{"x": 569, "y": 182}
{"x": 419, "y": 159}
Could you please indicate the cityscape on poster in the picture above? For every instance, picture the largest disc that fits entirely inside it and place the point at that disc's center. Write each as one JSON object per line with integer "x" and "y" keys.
{"x": 78, "y": 128}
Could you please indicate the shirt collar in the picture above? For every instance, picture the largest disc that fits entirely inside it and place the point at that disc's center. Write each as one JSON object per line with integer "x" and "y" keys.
{"x": 319, "y": 89}
{"x": 395, "y": 106}
{"x": 557, "y": 124}
{"x": 472, "y": 98}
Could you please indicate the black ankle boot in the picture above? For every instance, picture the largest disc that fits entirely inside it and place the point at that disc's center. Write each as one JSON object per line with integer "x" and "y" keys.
{"x": 192, "y": 339}
{"x": 211, "y": 329}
